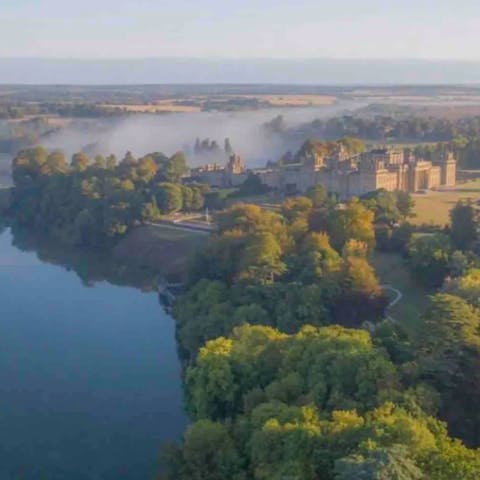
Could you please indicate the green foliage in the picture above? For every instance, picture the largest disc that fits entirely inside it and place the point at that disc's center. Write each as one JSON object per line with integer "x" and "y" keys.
{"x": 251, "y": 186}
{"x": 464, "y": 225}
{"x": 300, "y": 399}
{"x": 354, "y": 221}
{"x": 296, "y": 208}
{"x": 169, "y": 197}
{"x": 288, "y": 274}
{"x": 330, "y": 366}
{"x": 389, "y": 207}
{"x": 208, "y": 453}
{"x": 384, "y": 205}
{"x": 175, "y": 167}
{"x": 93, "y": 204}
{"x": 466, "y": 287}
{"x": 392, "y": 463}
{"x": 429, "y": 258}
{"x": 449, "y": 358}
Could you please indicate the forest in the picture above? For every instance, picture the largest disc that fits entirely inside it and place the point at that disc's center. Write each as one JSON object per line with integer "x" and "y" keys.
{"x": 293, "y": 368}
{"x": 93, "y": 203}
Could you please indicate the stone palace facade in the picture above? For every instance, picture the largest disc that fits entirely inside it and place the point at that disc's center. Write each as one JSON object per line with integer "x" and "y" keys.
{"x": 340, "y": 173}
{"x": 348, "y": 176}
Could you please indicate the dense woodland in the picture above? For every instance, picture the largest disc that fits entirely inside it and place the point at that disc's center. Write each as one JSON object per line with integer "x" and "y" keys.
{"x": 291, "y": 371}
{"x": 92, "y": 203}
{"x": 293, "y": 367}
{"x": 462, "y": 136}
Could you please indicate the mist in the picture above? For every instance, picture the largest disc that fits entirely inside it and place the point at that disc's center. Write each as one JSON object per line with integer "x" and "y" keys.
{"x": 168, "y": 133}
{"x": 311, "y": 71}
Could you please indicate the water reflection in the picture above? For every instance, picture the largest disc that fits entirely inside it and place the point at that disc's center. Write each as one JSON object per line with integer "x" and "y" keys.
{"x": 90, "y": 267}
{"x": 90, "y": 381}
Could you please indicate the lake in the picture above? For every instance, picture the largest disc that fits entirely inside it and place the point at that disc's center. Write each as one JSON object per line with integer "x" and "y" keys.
{"x": 90, "y": 381}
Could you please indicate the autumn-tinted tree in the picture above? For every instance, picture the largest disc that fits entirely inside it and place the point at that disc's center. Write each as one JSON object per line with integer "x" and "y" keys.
{"x": 353, "y": 221}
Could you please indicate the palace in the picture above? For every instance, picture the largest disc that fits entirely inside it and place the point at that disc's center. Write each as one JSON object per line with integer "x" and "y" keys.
{"x": 339, "y": 172}
{"x": 231, "y": 175}
{"x": 348, "y": 176}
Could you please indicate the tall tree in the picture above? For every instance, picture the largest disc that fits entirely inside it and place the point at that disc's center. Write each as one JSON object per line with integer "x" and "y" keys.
{"x": 464, "y": 228}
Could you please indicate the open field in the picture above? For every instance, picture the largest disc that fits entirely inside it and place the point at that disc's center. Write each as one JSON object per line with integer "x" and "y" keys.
{"x": 294, "y": 100}
{"x": 191, "y": 104}
{"x": 159, "y": 107}
{"x": 392, "y": 270}
{"x": 434, "y": 206}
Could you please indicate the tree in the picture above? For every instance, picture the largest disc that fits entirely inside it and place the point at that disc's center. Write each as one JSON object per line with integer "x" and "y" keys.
{"x": 466, "y": 287}
{"x": 464, "y": 225}
{"x": 405, "y": 204}
{"x": 429, "y": 258}
{"x": 451, "y": 327}
{"x": 392, "y": 463}
{"x": 169, "y": 197}
{"x": 100, "y": 162}
{"x": 384, "y": 205}
{"x": 208, "y": 453}
{"x": 251, "y": 186}
{"x": 55, "y": 164}
{"x": 262, "y": 258}
{"x": 316, "y": 259}
{"x": 294, "y": 208}
{"x": 354, "y": 221}
{"x": 26, "y": 166}
{"x": 80, "y": 162}
{"x": 337, "y": 367}
{"x": 248, "y": 219}
{"x": 361, "y": 296}
{"x": 175, "y": 168}
{"x": 449, "y": 358}
{"x": 146, "y": 169}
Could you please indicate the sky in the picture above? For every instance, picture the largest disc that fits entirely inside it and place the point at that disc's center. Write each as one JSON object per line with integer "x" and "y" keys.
{"x": 227, "y": 29}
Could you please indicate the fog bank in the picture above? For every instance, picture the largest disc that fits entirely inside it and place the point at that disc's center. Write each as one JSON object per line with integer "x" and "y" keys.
{"x": 169, "y": 133}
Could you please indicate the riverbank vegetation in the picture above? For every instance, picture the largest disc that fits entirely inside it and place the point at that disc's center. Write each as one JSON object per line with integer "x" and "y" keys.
{"x": 93, "y": 203}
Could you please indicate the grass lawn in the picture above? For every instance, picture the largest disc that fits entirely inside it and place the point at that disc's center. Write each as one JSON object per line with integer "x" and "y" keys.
{"x": 434, "y": 207}
{"x": 267, "y": 200}
{"x": 392, "y": 270}
{"x": 164, "y": 248}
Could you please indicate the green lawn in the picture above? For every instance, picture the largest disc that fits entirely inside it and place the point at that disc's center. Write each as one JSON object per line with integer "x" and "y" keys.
{"x": 163, "y": 248}
{"x": 434, "y": 207}
{"x": 392, "y": 270}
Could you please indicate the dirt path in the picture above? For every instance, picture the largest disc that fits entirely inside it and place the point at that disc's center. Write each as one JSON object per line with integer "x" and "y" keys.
{"x": 399, "y": 296}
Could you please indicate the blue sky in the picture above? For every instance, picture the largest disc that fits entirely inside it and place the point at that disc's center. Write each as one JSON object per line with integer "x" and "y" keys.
{"x": 438, "y": 29}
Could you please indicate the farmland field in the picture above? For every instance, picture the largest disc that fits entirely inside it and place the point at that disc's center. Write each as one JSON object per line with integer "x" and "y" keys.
{"x": 433, "y": 207}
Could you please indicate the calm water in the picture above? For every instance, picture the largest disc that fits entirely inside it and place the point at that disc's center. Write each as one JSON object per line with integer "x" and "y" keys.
{"x": 90, "y": 382}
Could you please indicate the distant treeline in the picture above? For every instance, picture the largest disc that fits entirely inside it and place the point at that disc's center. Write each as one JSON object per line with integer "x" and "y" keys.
{"x": 461, "y": 135}
{"x": 67, "y": 109}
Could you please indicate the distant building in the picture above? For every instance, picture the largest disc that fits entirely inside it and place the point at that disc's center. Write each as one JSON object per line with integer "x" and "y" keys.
{"x": 339, "y": 172}
{"x": 348, "y": 176}
{"x": 232, "y": 174}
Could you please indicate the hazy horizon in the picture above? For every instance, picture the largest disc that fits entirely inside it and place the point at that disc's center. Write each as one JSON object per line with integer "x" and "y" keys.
{"x": 314, "y": 71}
